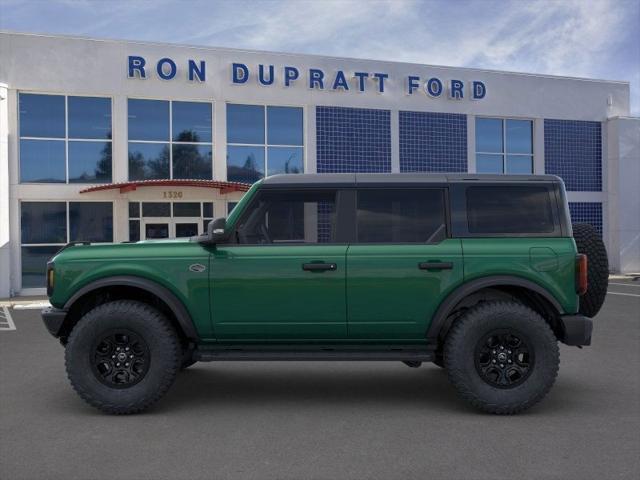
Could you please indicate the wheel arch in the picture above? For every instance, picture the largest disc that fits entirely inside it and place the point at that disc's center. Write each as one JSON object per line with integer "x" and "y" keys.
{"x": 134, "y": 288}
{"x": 534, "y": 295}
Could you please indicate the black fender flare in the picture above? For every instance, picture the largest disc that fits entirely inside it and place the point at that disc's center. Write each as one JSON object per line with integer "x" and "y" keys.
{"x": 440, "y": 322}
{"x": 174, "y": 303}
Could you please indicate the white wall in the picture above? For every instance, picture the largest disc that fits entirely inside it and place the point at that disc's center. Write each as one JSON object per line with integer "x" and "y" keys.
{"x": 5, "y": 246}
{"x": 623, "y": 157}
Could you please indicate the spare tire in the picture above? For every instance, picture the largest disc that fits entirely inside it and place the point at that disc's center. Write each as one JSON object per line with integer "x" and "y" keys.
{"x": 590, "y": 243}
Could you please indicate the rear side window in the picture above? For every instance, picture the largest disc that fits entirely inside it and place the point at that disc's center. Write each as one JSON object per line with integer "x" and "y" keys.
{"x": 509, "y": 209}
{"x": 401, "y": 216}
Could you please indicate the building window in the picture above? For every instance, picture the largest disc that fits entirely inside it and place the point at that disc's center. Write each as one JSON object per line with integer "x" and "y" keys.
{"x": 573, "y": 151}
{"x": 170, "y": 139}
{"x": 263, "y": 141}
{"x": 504, "y": 146}
{"x": 48, "y": 226}
{"x": 432, "y": 142}
{"x": 353, "y": 140}
{"x": 65, "y": 139}
{"x": 148, "y": 220}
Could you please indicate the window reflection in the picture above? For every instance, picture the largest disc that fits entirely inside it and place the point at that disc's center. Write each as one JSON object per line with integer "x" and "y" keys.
{"x": 148, "y": 161}
{"x": 89, "y": 117}
{"x": 91, "y": 221}
{"x": 285, "y": 160}
{"x": 42, "y": 161}
{"x": 41, "y": 115}
{"x": 89, "y": 162}
{"x": 245, "y": 164}
{"x": 192, "y": 161}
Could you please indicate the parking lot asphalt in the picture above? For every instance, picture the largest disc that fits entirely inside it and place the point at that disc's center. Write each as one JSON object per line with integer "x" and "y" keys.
{"x": 326, "y": 420}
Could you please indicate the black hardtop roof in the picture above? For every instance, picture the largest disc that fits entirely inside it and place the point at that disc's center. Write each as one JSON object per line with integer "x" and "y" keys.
{"x": 399, "y": 179}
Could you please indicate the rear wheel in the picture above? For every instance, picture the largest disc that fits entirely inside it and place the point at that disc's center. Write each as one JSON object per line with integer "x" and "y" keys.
{"x": 502, "y": 357}
{"x": 122, "y": 356}
{"x": 589, "y": 242}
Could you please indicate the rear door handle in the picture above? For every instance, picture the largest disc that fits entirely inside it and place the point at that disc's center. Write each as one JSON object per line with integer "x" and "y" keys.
{"x": 319, "y": 267}
{"x": 435, "y": 265}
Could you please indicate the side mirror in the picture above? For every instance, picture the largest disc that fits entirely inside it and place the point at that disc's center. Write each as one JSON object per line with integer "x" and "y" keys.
{"x": 216, "y": 231}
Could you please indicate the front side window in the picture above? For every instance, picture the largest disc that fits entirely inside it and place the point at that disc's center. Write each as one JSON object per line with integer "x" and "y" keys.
{"x": 170, "y": 140}
{"x": 401, "y": 216}
{"x": 65, "y": 139}
{"x": 509, "y": 210}
{"x": 48, "y": 226}
{"x": 504, "y": 146}
{"x": 263, "y": 141}
{"x": 300, "y": 217}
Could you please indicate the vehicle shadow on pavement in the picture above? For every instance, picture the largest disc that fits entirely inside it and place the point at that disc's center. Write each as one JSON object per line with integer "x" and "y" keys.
{"x": 219, "y": 385}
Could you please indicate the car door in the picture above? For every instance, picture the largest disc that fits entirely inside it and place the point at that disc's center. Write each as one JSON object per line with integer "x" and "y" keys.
{"x": 402, "y": 264}
{"x": 285, "y": 277}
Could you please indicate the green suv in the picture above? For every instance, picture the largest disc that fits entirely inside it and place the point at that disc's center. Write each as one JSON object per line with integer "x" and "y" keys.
{"x": 482, "y": 275}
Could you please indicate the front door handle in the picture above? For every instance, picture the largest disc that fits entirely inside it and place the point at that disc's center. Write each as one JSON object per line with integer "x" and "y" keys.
{"x": 435, "y": 265}
{"x": 319, "y": 267}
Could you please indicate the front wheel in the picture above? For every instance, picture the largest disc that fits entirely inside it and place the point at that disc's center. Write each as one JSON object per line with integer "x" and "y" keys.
{"x": 502, "y": 357}
{"x": 122, "y": 356}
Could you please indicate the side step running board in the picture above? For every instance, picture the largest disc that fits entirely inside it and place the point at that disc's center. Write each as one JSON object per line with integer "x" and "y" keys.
{"x": 210, "y": 355}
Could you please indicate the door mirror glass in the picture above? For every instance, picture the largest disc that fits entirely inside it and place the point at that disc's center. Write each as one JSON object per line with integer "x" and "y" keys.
{"x": 216, "y": 231}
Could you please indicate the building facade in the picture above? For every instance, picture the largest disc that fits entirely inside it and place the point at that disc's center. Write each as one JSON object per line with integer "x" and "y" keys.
{"x": 111, "y": 141}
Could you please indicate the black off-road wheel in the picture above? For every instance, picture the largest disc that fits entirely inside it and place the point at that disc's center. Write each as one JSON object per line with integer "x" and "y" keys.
{"x": 589, "y": 242}
{"x": 122, "y": 356}
{"x": 502, "y": 357}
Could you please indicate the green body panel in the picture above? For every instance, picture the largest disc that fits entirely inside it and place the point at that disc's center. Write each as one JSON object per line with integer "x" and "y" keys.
{"x": 262, "y": 293}
{"x": 389, "y": 297}
{"x": 547, "y": 262}
{"x": 163, "y": 262}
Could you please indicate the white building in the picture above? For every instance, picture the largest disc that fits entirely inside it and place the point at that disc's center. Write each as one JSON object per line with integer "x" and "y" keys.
{"x": 104, "y": 140}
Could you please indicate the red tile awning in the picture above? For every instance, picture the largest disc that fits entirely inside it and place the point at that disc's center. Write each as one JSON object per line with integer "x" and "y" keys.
{"x": 224, "y": 187}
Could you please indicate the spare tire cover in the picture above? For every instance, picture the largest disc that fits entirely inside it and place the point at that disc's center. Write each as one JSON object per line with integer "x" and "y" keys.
{"x": 589, "y": 242}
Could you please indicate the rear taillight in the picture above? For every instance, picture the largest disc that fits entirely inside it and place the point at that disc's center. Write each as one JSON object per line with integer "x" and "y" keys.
{"x": 582, "y": 282}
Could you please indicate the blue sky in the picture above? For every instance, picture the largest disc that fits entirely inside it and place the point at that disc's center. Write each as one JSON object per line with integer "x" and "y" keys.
{"x": 583, "y": 38}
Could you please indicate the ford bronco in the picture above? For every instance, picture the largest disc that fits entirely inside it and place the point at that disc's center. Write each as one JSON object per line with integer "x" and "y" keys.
{"x": 482, "y": 275}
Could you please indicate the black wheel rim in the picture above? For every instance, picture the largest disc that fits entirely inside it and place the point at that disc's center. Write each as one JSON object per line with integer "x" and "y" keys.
{"x": 504, "y": 358}
{"x": 120, "y": 358}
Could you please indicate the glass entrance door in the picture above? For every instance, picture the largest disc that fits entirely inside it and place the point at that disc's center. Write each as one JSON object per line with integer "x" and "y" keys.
{"x": 158, "y": 228}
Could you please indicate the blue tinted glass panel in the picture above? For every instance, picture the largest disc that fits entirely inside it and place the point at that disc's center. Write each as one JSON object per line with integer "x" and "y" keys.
{"x": 207, "y": 210}
{"x": 433, "y": 142}
{"x": 192, "y": 161}
{"x": 587, "y": 212}
{"x": 284, "y": 126}
{"x": 89, "y": 117}
{"x": 134, "y": 230}
{"x": 34, "y": 265}
{"x": 43, "y": 222}
{"x": 134, "y": 210}
{"x": 245, "y": 124}
{"x": 41, "y": 115}
{"x": 42, "y": 161}
{"x": 285, "y": 160}
{"x": 230, "y": 207}
{"x": 573, "y": 151}
{"x": 91, "y": 221}
{"x": 519, "y": 136}
{"x": 89, "y": 162}
{"x": 148, "y": 120}
{"x": 191, "y": 122}
{"x": 353, "y": 140}
{"x": 148, "y": 161}
{"x": 488, "y": 163}
{"x": 489, "y": 135}
{"x": 156, "y": 209}
{"x": 519, "y": 164}
{"x": 186, "y": 209}
{"x": 245, "y": 164}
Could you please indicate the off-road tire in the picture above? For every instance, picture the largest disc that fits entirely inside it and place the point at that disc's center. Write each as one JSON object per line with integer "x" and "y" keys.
{"x": 589, "y": 242}
{"x": 165, "y": 355}
{"x": 461, "y": 348}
